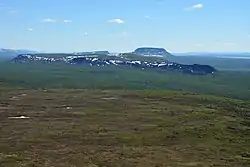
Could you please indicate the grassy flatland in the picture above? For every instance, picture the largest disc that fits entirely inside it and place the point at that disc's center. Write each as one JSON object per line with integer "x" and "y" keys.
{"x": 96, "y": 128}
{"x": 229, "y": 84}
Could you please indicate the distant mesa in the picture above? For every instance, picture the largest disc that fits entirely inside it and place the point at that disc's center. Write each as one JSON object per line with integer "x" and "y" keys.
{"x": 150, "y": 51}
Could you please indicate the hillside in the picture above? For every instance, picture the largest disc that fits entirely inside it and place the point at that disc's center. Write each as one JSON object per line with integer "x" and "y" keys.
{"x": 95, "y": 128}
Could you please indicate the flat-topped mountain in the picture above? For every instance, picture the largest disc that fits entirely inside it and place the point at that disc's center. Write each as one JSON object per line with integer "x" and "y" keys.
{"x": 121, "y": 60}
{"x": 150, "y": 51}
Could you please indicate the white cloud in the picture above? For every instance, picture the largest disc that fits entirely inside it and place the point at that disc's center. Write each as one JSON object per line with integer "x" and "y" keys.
{"x": 49, "y": 20}
{"x": 147, "y": 17}
{"x": 30, "y": 29}
{"x": 119, "y": 21}
{"x": 196, "y": 6}
{"x": 123, "y": 34}
{"x": 248, "y": 35}
{"x": 67, "y": 21}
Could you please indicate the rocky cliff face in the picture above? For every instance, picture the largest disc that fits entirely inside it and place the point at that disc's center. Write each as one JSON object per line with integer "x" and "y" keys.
{"x": 148, "y": 51}
{"x": 117, "y": 61}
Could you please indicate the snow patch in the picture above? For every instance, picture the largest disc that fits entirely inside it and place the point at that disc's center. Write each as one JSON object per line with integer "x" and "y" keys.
{"x": 21, "y": 117}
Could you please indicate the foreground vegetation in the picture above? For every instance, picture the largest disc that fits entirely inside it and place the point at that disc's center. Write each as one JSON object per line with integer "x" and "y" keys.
{"x": 95, "y": 128}
{"x": 41, "y": 76}
{"x": 76, "y": 116}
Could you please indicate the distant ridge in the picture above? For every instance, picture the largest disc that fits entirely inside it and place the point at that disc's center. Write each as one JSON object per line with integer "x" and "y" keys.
{"x": 11, "y": 53}
{"x": 214, "y": 54}
{"x": 122, "y": 60}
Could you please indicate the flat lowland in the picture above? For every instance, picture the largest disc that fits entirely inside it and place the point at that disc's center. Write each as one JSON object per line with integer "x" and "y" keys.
{"x": 114, "y": 128}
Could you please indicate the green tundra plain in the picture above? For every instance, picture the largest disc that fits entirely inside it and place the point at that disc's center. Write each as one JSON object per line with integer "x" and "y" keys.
{"x": 76, "y": 116}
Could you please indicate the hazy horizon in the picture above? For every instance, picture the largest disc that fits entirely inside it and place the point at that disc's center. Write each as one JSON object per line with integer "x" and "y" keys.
{"x": 211, "y": 53}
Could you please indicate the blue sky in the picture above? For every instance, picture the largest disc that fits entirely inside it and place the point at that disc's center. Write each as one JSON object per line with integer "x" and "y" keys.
{"x": 123, "y": 25}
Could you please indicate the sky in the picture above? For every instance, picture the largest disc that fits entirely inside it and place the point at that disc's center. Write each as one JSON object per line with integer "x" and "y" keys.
{"x": 123, "y": 25}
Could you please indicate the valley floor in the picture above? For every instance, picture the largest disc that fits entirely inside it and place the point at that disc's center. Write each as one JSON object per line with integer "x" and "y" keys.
{"x": 233, "y": 84}
{"x": 96, "y": 128}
